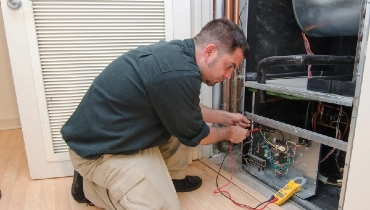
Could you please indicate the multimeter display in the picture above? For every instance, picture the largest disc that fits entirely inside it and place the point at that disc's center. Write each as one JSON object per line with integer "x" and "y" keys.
{"x": 279, "y": 194}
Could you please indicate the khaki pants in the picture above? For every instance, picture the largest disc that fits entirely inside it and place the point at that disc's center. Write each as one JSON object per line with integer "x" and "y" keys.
{"x": 139, "y": 181}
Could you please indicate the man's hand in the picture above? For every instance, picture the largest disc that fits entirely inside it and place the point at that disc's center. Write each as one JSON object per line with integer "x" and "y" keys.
{"x": 238, "y": 134}
{"x": 235, "y": 134}
{"x": 236, "y": 119}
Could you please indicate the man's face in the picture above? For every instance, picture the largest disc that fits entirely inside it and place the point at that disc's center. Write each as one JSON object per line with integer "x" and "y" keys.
{"x": 220, "y": 67}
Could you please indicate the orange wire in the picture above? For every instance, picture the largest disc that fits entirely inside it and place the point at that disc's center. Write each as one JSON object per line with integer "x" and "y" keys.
{"x": 308, "y": 51}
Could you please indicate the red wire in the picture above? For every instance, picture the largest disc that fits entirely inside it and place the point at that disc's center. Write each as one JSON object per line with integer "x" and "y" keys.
{"x": 308, "y": 51}
{"x": 345, "y": 114}
{"x": 347, "y": 119}
{"x": 314, "y": 120}
{"x": 218, "y": 190}
{"x": 253, "y": 130}
{"x": 344, "y": 132}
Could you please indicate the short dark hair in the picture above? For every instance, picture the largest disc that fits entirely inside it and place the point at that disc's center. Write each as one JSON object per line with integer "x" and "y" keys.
{"x": 225, "y": 34}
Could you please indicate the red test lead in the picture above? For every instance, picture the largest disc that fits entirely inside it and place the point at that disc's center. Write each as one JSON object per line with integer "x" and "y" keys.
{"x": 253, "y": 130}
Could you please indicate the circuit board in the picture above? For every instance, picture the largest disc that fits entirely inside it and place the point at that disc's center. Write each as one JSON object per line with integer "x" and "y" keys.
{"x": 275, "y": 157}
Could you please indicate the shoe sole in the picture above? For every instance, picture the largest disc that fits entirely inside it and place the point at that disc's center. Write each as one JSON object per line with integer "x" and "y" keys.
{"x": 191, "y": 189}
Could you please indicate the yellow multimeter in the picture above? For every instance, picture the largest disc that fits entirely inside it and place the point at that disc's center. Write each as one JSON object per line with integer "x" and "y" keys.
{"x": 288, "y": 190}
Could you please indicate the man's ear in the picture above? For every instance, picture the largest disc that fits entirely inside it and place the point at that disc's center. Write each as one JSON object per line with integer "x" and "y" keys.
{"x": 210, "y": 52}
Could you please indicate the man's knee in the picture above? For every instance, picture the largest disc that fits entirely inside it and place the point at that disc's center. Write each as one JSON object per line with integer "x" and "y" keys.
{"x": 145, "y": 195}
{"x": 131, "y": 191}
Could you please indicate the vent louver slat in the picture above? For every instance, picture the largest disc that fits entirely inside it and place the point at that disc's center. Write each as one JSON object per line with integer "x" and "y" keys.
{"x": 77, "y": 39}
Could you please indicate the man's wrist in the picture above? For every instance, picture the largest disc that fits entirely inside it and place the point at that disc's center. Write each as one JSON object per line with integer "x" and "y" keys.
{"x": 226, "y": 118}
{"x": 228, "y": 131}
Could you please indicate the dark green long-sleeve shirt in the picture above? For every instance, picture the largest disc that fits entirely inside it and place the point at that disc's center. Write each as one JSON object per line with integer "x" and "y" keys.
{"x": 138, "y": 101}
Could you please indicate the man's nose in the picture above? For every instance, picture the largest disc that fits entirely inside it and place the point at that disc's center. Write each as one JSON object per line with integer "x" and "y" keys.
{"x": 228, "y": 74}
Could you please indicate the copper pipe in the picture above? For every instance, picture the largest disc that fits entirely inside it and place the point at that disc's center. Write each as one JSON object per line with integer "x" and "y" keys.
{"x": 218, "y": 12}
{"x": 235, "y": 91}
{"x": 236, "y": 11}
{"x": 229, "y": 9}
{"x": 228, "y": 15}
{"x": 232, "y": 13}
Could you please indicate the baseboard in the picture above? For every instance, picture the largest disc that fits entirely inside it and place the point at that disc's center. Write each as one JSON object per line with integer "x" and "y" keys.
{"x": 10, "y": 123}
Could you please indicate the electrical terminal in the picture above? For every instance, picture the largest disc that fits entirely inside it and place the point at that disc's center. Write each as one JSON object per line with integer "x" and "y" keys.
{"x": 280, "y": 148}
{"x": 258, "y": 162}
{"x": 304, "y": 142}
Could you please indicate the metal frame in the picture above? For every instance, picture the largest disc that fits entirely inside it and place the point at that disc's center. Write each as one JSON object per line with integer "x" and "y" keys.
{"x": 300, "y": 92}
{"x": 329, "y": 98}
{"x": 300, "y": 132}
{"x": 363, "y": 35}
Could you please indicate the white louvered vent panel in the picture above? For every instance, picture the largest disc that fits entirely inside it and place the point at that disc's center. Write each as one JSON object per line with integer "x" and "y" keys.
{"x": 77, "y": 39}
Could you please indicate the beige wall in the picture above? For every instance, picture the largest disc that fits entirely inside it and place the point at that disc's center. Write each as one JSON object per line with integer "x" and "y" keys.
{"x": 9, "y": 116}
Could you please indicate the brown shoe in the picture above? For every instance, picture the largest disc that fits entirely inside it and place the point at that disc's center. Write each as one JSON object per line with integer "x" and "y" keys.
{"x": 189, "y": 183}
